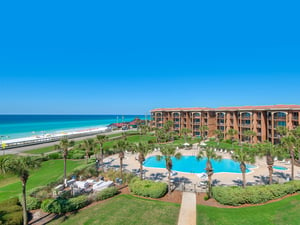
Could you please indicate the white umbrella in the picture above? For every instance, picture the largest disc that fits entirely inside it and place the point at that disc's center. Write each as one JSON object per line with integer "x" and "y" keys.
{"x": 186, "y": 144}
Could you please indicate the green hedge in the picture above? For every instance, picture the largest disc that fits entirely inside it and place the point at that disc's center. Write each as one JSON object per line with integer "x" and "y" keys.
{"x": 76, "y": 203}
{"x": 32, "y": 202}
{"x": 54, "y": 206}
{"x": 253, "y": 194}
{"x": 106, "y": 193}
{"x": 148, "y": 188}
{"x": 11, "y": 212}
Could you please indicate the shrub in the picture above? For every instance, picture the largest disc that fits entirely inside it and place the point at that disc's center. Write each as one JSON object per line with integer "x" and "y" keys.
{"x": 112, "y": 175}
{"x": 148, "y": 188}
{"x": 106, "y": 193}
{"x": 54, "y": 205}
{"x": 254, "y": 194}
{"x": 11, "y": 212}
{"x": 14, "y": 218}
{"x": 32, "y": 202}
{"x": 55, "y": 156}
{"x": 77, "y": 203}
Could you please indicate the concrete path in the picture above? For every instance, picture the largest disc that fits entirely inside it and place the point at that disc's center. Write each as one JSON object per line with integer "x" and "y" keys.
{"x": 187, "y": 215}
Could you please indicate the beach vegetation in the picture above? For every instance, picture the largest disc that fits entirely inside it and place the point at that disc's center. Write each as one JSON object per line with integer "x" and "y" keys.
{"x": 20, "y": 167}
{"x": 11, "y": 212}
{"x": 143, "y": 149}
{"x": 148, "y": 188}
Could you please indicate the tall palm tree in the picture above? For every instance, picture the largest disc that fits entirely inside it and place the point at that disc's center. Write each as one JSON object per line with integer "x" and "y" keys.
{"x": 20, "y": 167}
{"x": 185, "y": 132}
{"x": 143, "y": 149}
{"x": 288, "y": 142}
{"x": 168, "y": 151}
{"x": 268, "y": 150}
{"x": 65, "y": 146}
{"x": 203, "y": 129}
{"x": 231, "y": 133}
{"x": 210, "y": 154}
{"x": 88, "y": 146}
{"x": 243, "y": 155}
{"x": 120, "y": 147}
{"x": 101, "y": 139}
{"x": 249, "y": 134}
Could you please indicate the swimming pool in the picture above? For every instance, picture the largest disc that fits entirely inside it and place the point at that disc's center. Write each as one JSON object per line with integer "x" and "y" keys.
{"x": 280, "y": 168}
{"x": 190, "y": 164}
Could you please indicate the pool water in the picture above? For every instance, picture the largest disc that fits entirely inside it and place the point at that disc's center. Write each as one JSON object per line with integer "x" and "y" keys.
{"x": 279, "y": 168}
{"x": 190, "y": 164}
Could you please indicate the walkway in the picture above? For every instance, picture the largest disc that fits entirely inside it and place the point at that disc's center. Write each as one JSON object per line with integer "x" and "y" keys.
{"x": 187, "y": 215}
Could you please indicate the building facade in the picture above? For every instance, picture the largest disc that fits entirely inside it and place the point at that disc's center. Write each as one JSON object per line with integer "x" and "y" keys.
{"x": 263, "y": 120}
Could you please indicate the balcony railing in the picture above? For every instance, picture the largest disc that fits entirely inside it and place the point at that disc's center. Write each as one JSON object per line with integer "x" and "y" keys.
{"x": 258, "y": 125}
{"x": 244, "y": 125}
{"x": 295, "y": 118}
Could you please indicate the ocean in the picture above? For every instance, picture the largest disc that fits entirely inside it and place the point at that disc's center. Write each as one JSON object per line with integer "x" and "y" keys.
{"x": 18, "y": 126}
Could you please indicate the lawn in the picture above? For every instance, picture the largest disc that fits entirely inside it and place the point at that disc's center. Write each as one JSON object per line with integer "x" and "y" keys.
{"x": 282, "y": 212}
{"x": 49, "y": 171}
{"x": 41, "y": 150}
{"x": 126, "y": 210}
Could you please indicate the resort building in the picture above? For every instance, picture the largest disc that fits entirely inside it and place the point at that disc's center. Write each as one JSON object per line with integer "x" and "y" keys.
{"x": 263, "y": 120}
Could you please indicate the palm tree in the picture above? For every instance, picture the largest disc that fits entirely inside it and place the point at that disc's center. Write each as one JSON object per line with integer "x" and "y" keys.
{"x": 101, "y": 139}
{"x": 210, "y": 154}
{"x": 65, "y": 146}
{"x": 120, "y": 147}
{"x": 296, "y": 133}
{"x": 143, "y": 149}
{"x": 168, "y": 151}
{"x": 249, "y": 134}
{"x": 185, "y": 132}
{"x": 243, "y": 155}
{"x": 289, "y": 142}
{"x": 270, "y": 151}
{"x": 231, "y": 133}
{"x": 20, "y": 167}
{"x": 88, "y": 145}
{"x": 219, "y": 134}
{"x": 168, "y": 125}
{"x": 203, "y": 130}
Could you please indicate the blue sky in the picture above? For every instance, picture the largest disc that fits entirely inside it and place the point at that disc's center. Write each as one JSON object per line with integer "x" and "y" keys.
{"x": 128, "y": 57}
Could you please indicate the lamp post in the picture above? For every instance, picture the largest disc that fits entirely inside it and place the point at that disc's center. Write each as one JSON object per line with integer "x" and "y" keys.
{"x": 3, "y": 145}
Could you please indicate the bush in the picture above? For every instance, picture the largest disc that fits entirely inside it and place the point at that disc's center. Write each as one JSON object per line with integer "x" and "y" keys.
{"x": 32, "y": 202}
{"x": 54, "y": 206}
{"x": 14, "y": 218}
{"x": 254, "y": 194}
{"x": 148, "y": 188}
{"x": 77, "y": 203}
{"x": 112, "y": 175}
{"x": 106, "y": 193}
{"x": 11, "y": 212}
{"x": 55, "y": 156}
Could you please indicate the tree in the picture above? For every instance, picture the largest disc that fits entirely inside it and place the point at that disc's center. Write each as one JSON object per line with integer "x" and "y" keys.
{"x": 185, "y": 132}
{"x": 88, "y": 146}
{"x": 101, "y": 139}
{"x": 203, "y": 130}
{"x": 168, "y": 151}
{"x": 288, "y": 142}
{"x": 143, "y": 149}
{"x": 65, "y": 146}
{"x": 219, "y": 134}
{"x": 243, "y": 155}
{"x": 120, "y": 147}
{"x": 210, "y": 154}
{"x": 20, "y": 167}
{"x": 249, "y": 134}
{"x": 231, "y": 133}
{"x": 168, "y": 125}
{"x": 270, "y": 151}
{"x": 296, "y": 133}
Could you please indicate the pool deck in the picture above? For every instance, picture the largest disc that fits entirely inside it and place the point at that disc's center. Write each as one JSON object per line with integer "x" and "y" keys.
{"x": 258, "y": 175}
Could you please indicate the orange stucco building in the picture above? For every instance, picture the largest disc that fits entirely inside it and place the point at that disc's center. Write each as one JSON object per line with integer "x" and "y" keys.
{"x": 263, "y": 120}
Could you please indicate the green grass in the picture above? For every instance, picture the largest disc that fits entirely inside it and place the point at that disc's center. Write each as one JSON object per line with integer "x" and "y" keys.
{"x": 49, "y": 171}
{"x": 126, "y": 210}
{"x": 282, "y": 212}
{"x": 41, "y": 150}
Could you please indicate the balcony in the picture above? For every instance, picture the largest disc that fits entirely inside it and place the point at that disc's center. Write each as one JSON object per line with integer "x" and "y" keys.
{"x": 280, "y": 118}
{"x": 295, "y": 118}
{"x": 245, "y": 125}
{"x": 196, "y": 123}
{"x": 220, "y": 124}
{"x": 258, "y": 125}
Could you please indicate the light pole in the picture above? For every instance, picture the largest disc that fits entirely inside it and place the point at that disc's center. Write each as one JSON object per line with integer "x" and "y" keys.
{"x": 3, "y": 145}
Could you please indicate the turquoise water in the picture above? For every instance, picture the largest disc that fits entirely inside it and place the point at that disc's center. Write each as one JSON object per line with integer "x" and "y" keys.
{"x": 17, "y": 126}
{"x": 190, "y": 164}
{"x": 279, "y": 167}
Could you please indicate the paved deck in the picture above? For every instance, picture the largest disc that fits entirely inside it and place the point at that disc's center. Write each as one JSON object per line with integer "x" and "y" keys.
{"x": 187, "y": 215}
